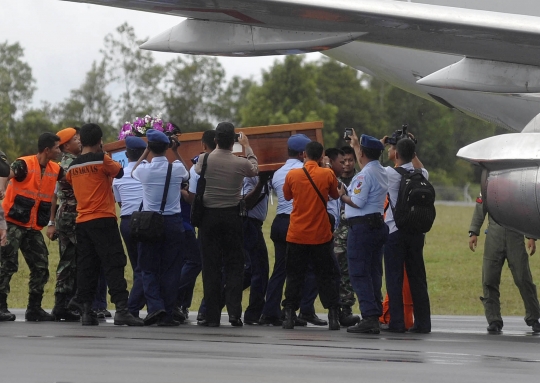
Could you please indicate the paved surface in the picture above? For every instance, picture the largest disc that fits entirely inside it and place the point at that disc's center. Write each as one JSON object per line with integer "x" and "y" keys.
{"x": 458, "y": 350}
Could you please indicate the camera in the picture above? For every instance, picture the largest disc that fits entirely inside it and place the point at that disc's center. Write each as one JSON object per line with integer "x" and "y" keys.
{"x": 172, "y": 141}
{"x": 399, "y": 135}
{"x": 348, "y": 133}
{"x": 236, "y": 137}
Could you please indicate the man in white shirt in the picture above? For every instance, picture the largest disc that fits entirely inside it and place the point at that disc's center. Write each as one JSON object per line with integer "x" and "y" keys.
{"x": 128, "y": 194}
{"x": 405, "y": 248}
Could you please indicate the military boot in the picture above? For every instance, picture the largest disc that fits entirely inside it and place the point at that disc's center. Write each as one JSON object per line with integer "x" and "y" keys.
{"x": 89, "y": 317}
{"x": 288, "y": 321}
{"x": 34, "y": 312}
{"x": 5, "y": 315}
{"x": 124, "y": 317}
{"x": 61, "y": 312}
{"x": 75, "y": 305}
{"x": 346, "y": 317}
{"x": 368, "y": 325}
{"x": 333, "y": 318}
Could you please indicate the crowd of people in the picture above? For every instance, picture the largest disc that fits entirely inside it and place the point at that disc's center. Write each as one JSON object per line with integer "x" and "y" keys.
{"x": 333, "y": 228}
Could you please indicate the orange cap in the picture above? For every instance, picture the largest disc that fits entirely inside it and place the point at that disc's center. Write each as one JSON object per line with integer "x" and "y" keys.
{"x": 66, "y": 135}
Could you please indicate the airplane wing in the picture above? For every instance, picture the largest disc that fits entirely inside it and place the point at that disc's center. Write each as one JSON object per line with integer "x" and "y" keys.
{"x": 486, "y": 35}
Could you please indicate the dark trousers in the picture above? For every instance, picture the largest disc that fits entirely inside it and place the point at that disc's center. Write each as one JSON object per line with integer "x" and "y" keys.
{"x": 256, "y": 268}
{"x": 100, "y": 299}
{"x": 160, "y": 264}
{"x": 364, "y": 252}
{"x": 405, "y": 248}
{"x": 298, "y": 258}
{"x": 274, "y": 292}
{"x": 99, "y": 245}
{"x": 136, "y": 299}
{"x": 220, "y": 233}
{"x": 191, "y": 269}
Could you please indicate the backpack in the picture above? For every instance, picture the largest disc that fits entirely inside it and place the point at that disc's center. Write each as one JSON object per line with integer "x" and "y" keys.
{"x": 415, "y": 208}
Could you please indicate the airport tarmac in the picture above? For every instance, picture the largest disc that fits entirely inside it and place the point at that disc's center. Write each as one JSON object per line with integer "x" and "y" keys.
{"x": 457, "y": 350}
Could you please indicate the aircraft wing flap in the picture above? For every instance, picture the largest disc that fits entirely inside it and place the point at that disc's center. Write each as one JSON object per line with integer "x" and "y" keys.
{"x": 473, "y": 33}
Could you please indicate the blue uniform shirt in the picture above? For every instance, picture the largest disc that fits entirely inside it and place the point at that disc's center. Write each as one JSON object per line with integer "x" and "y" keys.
{"x": 368, "y": 191}
{"x": 260, "y": 210}
{"x": 333, "y": 207}
{"x": 193, "y": 179}
{"x": 128, "y": 191}
{"x": 152, "y": 176}
{"x": 278, "y": 180}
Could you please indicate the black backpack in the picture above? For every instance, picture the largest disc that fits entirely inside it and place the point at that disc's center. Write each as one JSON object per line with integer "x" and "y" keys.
{"x": 415, "y": 208}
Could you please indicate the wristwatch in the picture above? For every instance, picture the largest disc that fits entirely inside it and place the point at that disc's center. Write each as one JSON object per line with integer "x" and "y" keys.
{"x": 471, "y": 233}
{"x": 51, "y": 223}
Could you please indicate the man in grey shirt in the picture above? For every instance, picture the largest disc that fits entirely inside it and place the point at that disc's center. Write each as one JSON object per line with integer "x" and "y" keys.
{"x": 220, "y": 231}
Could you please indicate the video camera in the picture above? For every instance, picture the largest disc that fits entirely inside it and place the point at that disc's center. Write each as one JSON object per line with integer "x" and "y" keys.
{"x": 172, "y": 135}
{"x": 399, "y": 135}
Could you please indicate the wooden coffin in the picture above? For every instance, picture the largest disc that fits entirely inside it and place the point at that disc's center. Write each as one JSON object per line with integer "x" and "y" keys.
{"x": 269, "y": 144}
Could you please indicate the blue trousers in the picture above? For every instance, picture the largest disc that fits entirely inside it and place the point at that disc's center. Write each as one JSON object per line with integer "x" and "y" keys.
{"x": 365, "y": 252}
{"x": 191, "y": 269}
{"x": 160, "y": 264}
{"x": 136, "y": 300}
{"x": 405, "y": 248}
{"x": 274, "y": 292}
{"x": 256, "y": 268}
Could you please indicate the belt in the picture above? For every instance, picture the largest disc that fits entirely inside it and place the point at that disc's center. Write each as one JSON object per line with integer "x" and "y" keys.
{"x": 364, "y": 219}
{"x": 283, "y": 215}
{"x": 125, "y": 216}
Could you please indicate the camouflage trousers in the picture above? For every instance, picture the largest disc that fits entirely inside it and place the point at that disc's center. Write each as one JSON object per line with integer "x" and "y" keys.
{"x": 66, "y": 272}
{"x": 35, "y": 253}
{"x": 346, "y": 292}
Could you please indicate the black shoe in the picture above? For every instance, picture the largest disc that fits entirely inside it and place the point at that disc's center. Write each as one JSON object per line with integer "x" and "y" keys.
{"x": 75, "y": 305}
{"x": 37, "y": 314}
{"x": 122, "y": 316}
{"x": 235, "y": 321}
{"x": 178, "y": 315}
{"x": 205, "y": 323}
{"x": 201, "y": 316}
{"x": 6, "y": 316}
{"x": 270, "y": 321}
{"x": 167, "y": 321}
{"x": 313, "y": 319}
{"x": 103, "y": 313}
{"x": 63, "y": 314}
{"x": 494, "y": 328}
{"x": 89, "y": 316}
{"x": 185, "y": 311}
{"x": 251, "y": 322}
{"x": 290, "y": 319}
{"x": 346, "y": 317}
{"x": 154, "y": 317}
{"x": 301, "y": 322}
{"x": 368, "y": 325}
{"x": 333, "y": 318}
{"x": 417, "y": 330}
{"x": 536, "y": 327}
{"x": 387, "y": 328}
{"x": 99, "y": 314}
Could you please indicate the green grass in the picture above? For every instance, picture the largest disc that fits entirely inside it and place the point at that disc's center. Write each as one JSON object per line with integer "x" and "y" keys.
{"x": 454, "y": 272}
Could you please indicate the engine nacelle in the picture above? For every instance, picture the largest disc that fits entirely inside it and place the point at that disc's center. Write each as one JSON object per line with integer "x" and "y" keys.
{"x": 512, "y": 198}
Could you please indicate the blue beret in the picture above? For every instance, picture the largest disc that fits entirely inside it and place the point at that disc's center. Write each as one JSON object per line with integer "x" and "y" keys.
{"x": 135, "y": 143}
{"x": 371, "y": 142}
{"x": 156, "y": 136}
{"x": 298, "y": 142}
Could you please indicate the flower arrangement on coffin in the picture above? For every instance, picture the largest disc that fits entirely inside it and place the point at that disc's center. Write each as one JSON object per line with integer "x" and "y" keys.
{"x": 140, "y": 125}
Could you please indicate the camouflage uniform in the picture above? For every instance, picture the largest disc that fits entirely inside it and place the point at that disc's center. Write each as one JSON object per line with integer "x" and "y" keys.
{"x": 502, "y": 244}
{"x": 346, "y": 292}
{"x": 65, "y": 227}
{"x": 34, "y": 250}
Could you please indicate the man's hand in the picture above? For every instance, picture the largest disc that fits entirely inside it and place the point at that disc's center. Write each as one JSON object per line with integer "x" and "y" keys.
{"x": 51, "y": 230}
{"x": 243, "y": 140}
{"x": 3, "y": 237}
{"x": 473, "y": 242}
{"x": 355, "y": 143}
{"x": 531, "y": 246}
{"x": 324, "y": 162}
{"x": 342, "y": 190}
{"x": 2, "y": 194}
{"x": 175, "y": 144}
{"x": 384, "y": 141}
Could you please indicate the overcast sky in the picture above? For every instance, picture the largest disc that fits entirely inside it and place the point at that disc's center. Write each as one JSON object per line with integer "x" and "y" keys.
{"x": 61, "y": 39}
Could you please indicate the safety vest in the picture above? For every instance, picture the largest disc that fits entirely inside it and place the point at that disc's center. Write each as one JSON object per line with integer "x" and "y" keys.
{"x": 28, "y": 203}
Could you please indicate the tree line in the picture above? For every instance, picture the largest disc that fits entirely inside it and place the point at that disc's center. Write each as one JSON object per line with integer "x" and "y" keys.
{"x": 194, "y": 93}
